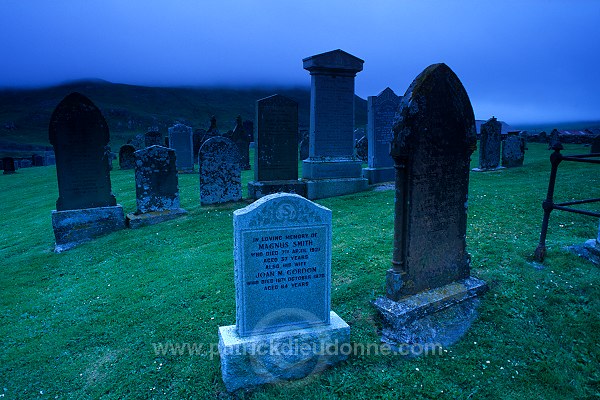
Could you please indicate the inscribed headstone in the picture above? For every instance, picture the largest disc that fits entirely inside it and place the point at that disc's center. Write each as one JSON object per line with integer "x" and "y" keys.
{"x": 282, "y": 250}
{"x": 156, "y": 180}
{"x": 220, "y": 174}
{"x": 180, "y": 139}
{"x": 434, "y": 136}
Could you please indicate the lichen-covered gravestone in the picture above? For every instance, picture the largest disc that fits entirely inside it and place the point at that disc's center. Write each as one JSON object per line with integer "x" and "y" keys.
{"x": 156, "y": 187}
{"x": 276, "y": 154}
{"x": 282, "y": 263}
{"x": 489, "y": 145}
{"x": 434, "y": 137}
{"x": 126, "y": 158}
{"x": 513, "y": 151}
{"x": 220, "y": 173}
{"x": 381, "y": 112}
{"x": 86, "y": 207}
{"x": 181, "y": 140}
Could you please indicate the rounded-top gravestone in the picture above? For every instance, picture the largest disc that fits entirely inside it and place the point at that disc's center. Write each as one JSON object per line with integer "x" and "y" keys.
{"x": 80, "y": 136}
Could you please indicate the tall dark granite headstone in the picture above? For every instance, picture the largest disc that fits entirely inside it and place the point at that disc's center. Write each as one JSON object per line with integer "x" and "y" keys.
{"x": 241, "y": 138}
{"x": 276, "y": 154}
{"x": 8, "y": 164}
{"x": 86, "y": 207}
{"x": 434, "y": 137}
{"x": 220, "y": 173}
{"x": 381, "y": 112}
{"x": 513, "y": 150}
{"x": 181, "y": 140}
{"x": 156, "y": 187}
{"x": 199, "y": 137}
{"x": 490, "y": 142}
{"x": 332, "y": 169}
{"x": 126, "y": 158}
{"x": 153, "y": 138}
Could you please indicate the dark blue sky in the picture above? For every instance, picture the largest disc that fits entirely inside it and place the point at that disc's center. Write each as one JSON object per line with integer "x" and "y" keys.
{"x": 522, "y": 61}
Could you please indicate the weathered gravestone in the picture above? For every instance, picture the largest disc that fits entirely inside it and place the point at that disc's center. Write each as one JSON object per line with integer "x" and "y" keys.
{"x": 362, "y": 149}
{"x": 276, "y": 154}
{"x": 156, "y": 187}
{"x": 381, "y": 112}
{"x": 242, "y": 140}
{"x": 282, "y": 263}
{"x": 220, "y": 173}
{"x": 198, "y": 138}
{"x": 24, "y": 163}
{"x": 332, "y": 169}
{"x": 513, "y": 151}
{"x": 126, "y": 158}
{"x": 180, "y": 140}
{"x": 86, "y": 207}
{"x": 434, "y": 137}
{"x": 489, "y": 145}
{"x": 153, "y": 138}
{"x": 8, "y": 164}
{"x": 49, "y": 158}
{"x": 595, "y": 148}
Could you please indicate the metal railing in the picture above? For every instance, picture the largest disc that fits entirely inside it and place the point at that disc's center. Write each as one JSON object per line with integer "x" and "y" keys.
{"x": 548, "y": 205}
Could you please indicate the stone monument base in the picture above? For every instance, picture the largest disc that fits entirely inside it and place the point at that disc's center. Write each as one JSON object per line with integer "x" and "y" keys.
{"x": 74, "y": 227}
{"x": 379, "y": 175}
{"x": 322, "y": 188}
{"x": 433, "y": 317}
{"x": 155, "y": 217}
{"x": 590, "y": 250}
{"x": 258, "y": 189}
{"x": 259, "y": 359}
{"x": 331, "y": 168}
{"x": 487, "y": 169}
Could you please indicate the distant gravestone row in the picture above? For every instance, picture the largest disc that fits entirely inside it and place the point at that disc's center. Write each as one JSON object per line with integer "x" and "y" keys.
{"x": 492, "y": 150}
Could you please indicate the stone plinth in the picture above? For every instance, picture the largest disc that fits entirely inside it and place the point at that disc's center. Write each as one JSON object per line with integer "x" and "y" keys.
{"x": 135, "y": 221}
{"x": 74, "y": 227}
{"x": 269, "y": 358}
{"x": 256, "y": 190}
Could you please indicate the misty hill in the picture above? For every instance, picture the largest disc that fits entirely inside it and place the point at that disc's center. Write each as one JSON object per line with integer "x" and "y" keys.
{"x": 128, "y": 109}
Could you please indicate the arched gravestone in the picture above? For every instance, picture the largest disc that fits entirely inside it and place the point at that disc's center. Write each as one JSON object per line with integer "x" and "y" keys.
{"x": 126, "y": 158}
{"x": 220, "y": 173}
{"x": 429, "y": 293}
{"x": 80, "y": 136}
{"x": 156, "y": 187}
{"x": 489, "y": 145}
{"x": 86, "y": 207}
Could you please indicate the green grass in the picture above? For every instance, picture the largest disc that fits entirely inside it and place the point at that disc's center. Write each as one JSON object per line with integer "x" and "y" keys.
{"x": 81, "y": 324}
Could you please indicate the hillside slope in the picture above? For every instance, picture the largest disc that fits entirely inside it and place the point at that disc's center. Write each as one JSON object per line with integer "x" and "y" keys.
{"x": 24, "y": 114}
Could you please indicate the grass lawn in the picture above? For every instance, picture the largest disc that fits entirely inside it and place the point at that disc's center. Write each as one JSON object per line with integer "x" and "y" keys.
{"x": 85, "y": 323}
